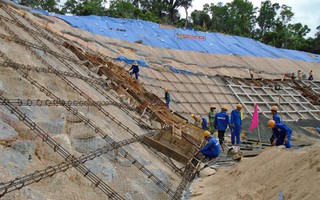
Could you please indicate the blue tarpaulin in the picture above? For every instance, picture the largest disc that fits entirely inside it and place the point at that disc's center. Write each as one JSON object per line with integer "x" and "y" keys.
{"x": 178, "y": 71}
{"x": 130, "y": 61}
{"x": 153, "y": 34}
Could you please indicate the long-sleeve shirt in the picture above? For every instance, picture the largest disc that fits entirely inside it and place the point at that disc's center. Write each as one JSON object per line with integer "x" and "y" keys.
{"x": 276, "y": 117}
{"x": 211, "y": 149}
{"x": 134, "y": 68}
{"x": 167, "y": 96}
{"x": 221, "y": 121}
{"x": 236, "y": 118}
{"x": 211, "y": 117}
{"x": 204, "y": 123}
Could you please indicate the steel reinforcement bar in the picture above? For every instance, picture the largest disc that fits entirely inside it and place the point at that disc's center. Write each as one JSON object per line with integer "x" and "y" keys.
{"x": 61, "y": 151}
{"x": 126, "y": 154}
{"x": 54, "y": 71}
{"x": 87, "y": 121}
{"x": 39, "y": 175}
{"x": 123, "y": 108}
{"x": 39, "y": 102}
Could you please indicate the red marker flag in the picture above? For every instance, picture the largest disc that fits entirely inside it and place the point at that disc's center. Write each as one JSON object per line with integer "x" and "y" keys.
{"x": 255, "y": 118}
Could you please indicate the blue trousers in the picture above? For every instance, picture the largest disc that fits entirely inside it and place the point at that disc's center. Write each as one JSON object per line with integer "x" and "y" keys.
{"x": 235, "y": 134}
{"x": 280, "y": 140}
{"x": 136, "y": 74}
{"x": 167, "y": 103}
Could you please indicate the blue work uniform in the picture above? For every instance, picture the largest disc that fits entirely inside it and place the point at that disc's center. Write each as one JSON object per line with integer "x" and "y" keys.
{"x": 221, "y": 122}
{"x": 236, "y": 123}
{"x": 276, "y": 117}
{"x": 282, "y": 130}
{"x": 167, "y": 97}
{"x": 211, "y": 149}
{"x": 135, "y": 71}
{"x": 204, "y": 124}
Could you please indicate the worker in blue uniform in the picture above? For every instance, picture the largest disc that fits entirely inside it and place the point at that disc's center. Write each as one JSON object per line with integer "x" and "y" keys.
{"x": 281, "y": 132}
{"x": 135, "y": 69}
{"x": 204, "y": 124}
{"x": 276, "y": 117}
{"x": 236, "y": 124}
{"x": 212, "y": 148}
{"x": 221, "y": 122}
{"x": 167, "y": 97}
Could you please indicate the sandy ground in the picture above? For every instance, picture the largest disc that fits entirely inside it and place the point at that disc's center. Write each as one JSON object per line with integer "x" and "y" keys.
{"x": 294, "y": 173}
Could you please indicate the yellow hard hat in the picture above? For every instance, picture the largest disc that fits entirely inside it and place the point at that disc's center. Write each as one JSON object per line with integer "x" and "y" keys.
{"x": 301, "y": 118}
{"x": 206, "y": 133}
{"x": 166, "y": 89}
{"x": 239, "y": 105}
{"x": 271, "y": 123}
{"x": 224, "y": 108}
{"x": 274, "y": 108}
{"x": 192, "y": 115}
{"x": 212, "y": 106}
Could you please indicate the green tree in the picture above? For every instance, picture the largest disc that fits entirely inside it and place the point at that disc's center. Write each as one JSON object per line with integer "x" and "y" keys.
{"x": 47, "y": 5}
{"x": 85, "y": 7}
{"x": 186, "y": 4}
{"x": 267, "y": 17}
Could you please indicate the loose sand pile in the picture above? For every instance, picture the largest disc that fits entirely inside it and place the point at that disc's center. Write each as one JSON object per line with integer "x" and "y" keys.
{"x": 295, "y": 173}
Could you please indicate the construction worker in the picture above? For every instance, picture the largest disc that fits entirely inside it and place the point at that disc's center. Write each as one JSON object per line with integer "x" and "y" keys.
{"x": 299, "y": 75}
{"x": 281, "y": 132}
{"x": 211, "y": 118}
{"x": 135, "y": 69}
{"x": 276, "y": 117}
{"x": 221, "y": 122}
{"x": 212, "y": 149}
{"x": 167, "y": 96}
{"x": 200, "y": 121}
{"x": 310, "y": 76}
{"x": 197, "y": 119}
{"x": 236, "y": 123}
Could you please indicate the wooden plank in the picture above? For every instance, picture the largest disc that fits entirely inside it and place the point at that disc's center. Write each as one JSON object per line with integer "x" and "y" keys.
{"x": 166, "y": 150}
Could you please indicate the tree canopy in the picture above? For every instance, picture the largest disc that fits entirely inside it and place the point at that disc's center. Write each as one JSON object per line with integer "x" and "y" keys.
{"x": 270, "y": 23}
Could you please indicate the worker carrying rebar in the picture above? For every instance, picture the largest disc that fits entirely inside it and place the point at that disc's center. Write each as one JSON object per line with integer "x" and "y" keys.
{"x": 212, "y": 149}
{"x": 281, "y": 132}
{"x": 276, "y": 117}
{"x": 236, "y": 124}
{"x": 221, "y": 123}
{"x": 167, "y": 97}
{"x": 211, "y": 116}
{"x": 200, "y": 121}
{"x": 135, "y": 69}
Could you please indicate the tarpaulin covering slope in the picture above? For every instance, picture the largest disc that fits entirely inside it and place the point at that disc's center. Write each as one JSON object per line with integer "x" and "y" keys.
{"x": 153, "y": 34}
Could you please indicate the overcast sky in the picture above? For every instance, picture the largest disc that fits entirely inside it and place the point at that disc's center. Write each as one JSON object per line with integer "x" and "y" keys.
{"x": 307, "y": 12}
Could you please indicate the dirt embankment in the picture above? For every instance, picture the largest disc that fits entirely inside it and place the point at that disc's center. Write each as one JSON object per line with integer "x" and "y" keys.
{"x": 294, "y": 173}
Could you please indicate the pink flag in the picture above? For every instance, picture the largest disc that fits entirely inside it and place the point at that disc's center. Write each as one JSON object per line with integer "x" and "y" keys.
{"x": 255, "y": 118}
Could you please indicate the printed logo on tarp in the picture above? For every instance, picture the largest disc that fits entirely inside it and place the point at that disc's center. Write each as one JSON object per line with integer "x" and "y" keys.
{"x": 194, "y": 37}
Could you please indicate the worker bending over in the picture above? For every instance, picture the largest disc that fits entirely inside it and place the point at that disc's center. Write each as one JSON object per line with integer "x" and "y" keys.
{"x": 236, "y": 123}
{"x": 281, "y": 132}
{"x": 212, "y": 149}
{"x": 276, "y": 117}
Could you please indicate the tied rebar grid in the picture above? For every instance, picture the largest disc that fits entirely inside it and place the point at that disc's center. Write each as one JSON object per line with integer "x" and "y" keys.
{"x": 138, "y": 121}
{"x": 74, "y": 87}
{"x": 39, "y": 102}
{"x": 109, "y": 140}
{"x": 61, "y": 151}
{"x": 36, "y": 176}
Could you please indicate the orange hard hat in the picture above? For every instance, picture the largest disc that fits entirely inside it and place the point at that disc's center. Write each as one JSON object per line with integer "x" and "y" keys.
{"x": 206, "y": 133}
{"x": 274, "y": 108}
{"x": 271, "y": 123}
{"x": 224, "y": 108}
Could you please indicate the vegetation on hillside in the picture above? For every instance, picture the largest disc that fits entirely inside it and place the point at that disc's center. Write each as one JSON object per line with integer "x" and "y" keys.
{"x": 270, "y": 23}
